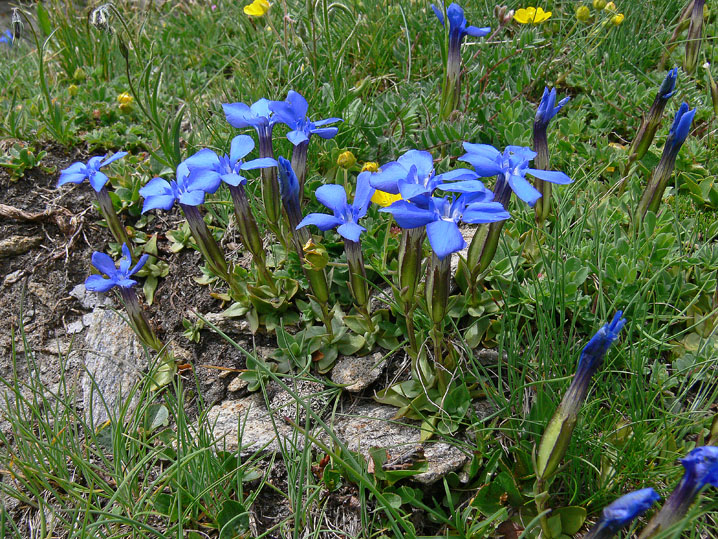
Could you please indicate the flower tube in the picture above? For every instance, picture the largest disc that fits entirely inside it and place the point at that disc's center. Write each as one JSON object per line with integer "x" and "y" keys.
{"x": 78, "y": 172}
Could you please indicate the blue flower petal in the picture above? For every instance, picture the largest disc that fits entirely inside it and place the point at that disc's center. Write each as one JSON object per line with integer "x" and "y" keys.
{"x": 387, "y": 178}
{"x": 482, "y": 150}
{"x": 333, "y": 196}
{"x": 363, "y": 194}
{"x": 126, "y": 283}
{"x": 423, "y": 161}
{"x": 473, "y": 31}
{"x": 126, "y": 259}
{"x": 156, "y": 187}
{"x": 204, "y": 180}
{"x": 326, "y": 121}
{"x": 233, "y": 179}
{"x": 237, "y": 114}
{"x": 552, "y": 176}
{"x": 456, "y": 175}
{"x": 95, "y": 283}
{"x": 351, "y": 231}
{"x": 485, "y": 212}
{"x": 192, "y": 198}
{"x": 444, "y": 238}
{"x": 141, "y": 262}
{"x": 439, "y": 14}
{"x": 523, "y": 189}
{"x": 325, "y": 132}
{"x": 320, "y": 220}
{"x": 483, "y": 167}
{"x": 411, "y": 190}
{"x": 298, "y": 103}
{"x": 75, "y": 173}
{"x": 241, "y": 146}
{"x": 262, "y": 162}
{"x": 408, "y": 215}
{"x": 465, "y": 186}
{"x": 103, "y": 263}
{"x": 98, "y": 180}
{"x": 115, "y": 157}
{"x": 297, "y": 137}
{"x": 163, "y": 202}
{"x": 205, "y": 158}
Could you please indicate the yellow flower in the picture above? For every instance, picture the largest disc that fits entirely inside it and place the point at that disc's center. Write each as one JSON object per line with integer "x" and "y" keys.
{"x": 610, "y": 7}
{"x": 125, "y": 102}
{"x": 533, "y": 15}
{"x": 72, "y": 90}
{"x": 617, "y": 19}
{"x": 384, "y": 199}
{"x": 371, "y": 166}
{"x": 257, "y": 8}
{"x": 583, "y": 14}
{"x": 599, "y": 4}
{"x": 346, "y": 159}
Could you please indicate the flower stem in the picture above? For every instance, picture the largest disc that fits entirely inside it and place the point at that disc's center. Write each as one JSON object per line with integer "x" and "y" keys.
{"x": 357, "y": 279}
{"x": 299, "y": 164}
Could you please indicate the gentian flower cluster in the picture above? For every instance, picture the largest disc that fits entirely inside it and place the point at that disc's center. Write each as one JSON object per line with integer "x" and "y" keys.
{"x": 79, "y": 172}
{"x": 458, "y": 30}
{"x": 622, "y": 512}
{"x": 560, "y": 427}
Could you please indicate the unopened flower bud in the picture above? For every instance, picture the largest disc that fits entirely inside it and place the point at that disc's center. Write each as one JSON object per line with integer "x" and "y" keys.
{"x": 346, "y": 160}
{"x": 611, "y": 7}
{"x": 79, "y": 75}
{"x": 72, "y": 90}
{"x": 599, "y": 4}
{"x": 370, "y": 166}
{"x": 616, "y": 20}
{"x": 583, "y": 14}
{"x": 100, "y": 18}
{"x": 125, "y": 102}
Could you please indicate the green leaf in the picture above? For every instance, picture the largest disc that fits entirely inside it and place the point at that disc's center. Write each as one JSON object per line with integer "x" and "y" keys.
{"x": 233, "y": 520}
{"x": 43, "y": 19}
{"x": 156, "y": 416}
{"x": 149, "y": 289}
{"x": 572, "y": 518}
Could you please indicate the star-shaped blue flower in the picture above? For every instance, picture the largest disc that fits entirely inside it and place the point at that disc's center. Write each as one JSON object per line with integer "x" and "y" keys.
{"x": 412, "y": 175}
{"x": 293, "y": 113}
{"x": 513, "y": 166}
{"x": 442, "y": 216}
{"x": 189, "y": 188}
{"x": 458, "y": 28}
{"x": 229, "y": 167}
{"x": 115, "y": 276}
{"x": 258, "y": 115}
{"x": 346, "y": 216}
{"x": 547, "y": 108}
{"x": 78, "y": 172}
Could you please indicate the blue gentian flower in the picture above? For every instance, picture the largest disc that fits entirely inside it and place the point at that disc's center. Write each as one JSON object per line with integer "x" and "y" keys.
{"x": 78, "y": 172}
{"x": 189, "y": 188}
{"x": 594, "y": 352}
{"x": 680, "y": 128}
{"x": 668, "y": 87}
{"x": 511, "y": 167}
{"x": 229, "y": 167}
{"x": 628, "y": 507}
{"x": 458, "y": 28}
{"x": 6, "y": 37}
{"x": 701, "y": 466}
{"x": 412, "y": 175}
{"x": 442, "y": 216}
{"x": 115, "y": 276}
{"x": 258, "y": 115}
{"x": 547, "y": 108}
{"x": 293, "y": 113}
{"x": 346, "y": 216}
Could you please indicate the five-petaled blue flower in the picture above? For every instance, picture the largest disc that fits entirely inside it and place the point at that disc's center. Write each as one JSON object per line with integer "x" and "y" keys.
{"x": 594, "y": 352}
{"x": 680, "y": 128}
{"x": 6, "y": 37}
{"x": 412, "y": 175}
{"x": 457, "y": 23}
{"x": 346, "y": 216}
{"x": 441, "y": 217}
{"x": 229, "y": 167}
{"x": 626, "y": 508}
{"x": 513, "y": 166}
{"x": 77, "y": 172}
{"x": 189, "y": 188}
{"x": 293, "y": 112}
{"x": 258, "y": 115}
{"x": 115, "y": 276}
{"x": 701, "y": 466}
{"x": 547, "y": 108}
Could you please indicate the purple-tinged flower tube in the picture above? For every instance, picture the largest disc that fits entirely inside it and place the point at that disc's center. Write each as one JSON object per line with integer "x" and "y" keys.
{"x": 547, "y": 109}
{"x": 261, "y": 118}
{"x": 230, "y": 169}
{"x": 557, "y": 435}
{"x": 458, "y": 30}
{"x": 293, "y": 113}
{"x": 622, "y": 512}
{"x": 701, "y": 466}
{"x": 189, "y": 189}
{"x": 693, "y": 42}
{"x": 78, "y": 172}
{"x": 346, "y": 220}
{"x": 653, "y": 194}
{"x": 120, "y": 277}
{"x": 650, "y": 124}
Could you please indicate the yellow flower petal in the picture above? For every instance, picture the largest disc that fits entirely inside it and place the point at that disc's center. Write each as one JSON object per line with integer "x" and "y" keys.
{"x": 257, "y": 8}
{"x": 384, "y": 199}
{"x": 371, "y": 166}
{"x": 531, "y": 15}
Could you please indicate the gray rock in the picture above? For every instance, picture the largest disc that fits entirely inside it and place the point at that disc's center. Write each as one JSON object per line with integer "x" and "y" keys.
{"x": 237, "y": 384}
{"x": 113, "y": 359}
{"x": 89, "y": 300}
{"x": 357, "y": 373}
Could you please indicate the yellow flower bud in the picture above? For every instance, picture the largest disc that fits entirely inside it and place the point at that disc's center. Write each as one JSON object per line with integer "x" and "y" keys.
{"x": 72, "y": 90}
{"x": 371, "y": 166}
{"x": 79, "y": 74}
{"x": 599, "y": 4}
{"x": 346, "y": 160}
{"x": 315, "y": 255}
{"x": 611, "y": 7}
{"x": 617, "y": 19}
{"x": 384, "y": 199}
{"x": 583, "y": 14}
{"x": 125, "y": 102}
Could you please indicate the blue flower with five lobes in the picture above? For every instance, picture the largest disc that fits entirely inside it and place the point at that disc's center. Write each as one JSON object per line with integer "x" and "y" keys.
{"x": 116, "y": 276}
{"x": 626, "y": 508}
{"x": 441, "y": 216}
{"x": 258, "y": 115}
{"x": 229, "y": 167}
{"x": 189, "y": 188}
{"x": 412, "y": 175}
{"x": 78, "y": 172}
{"x": 513, "y": 166}
{"x": 346, "y": 216}
{"x": 293, "y": 113}
{"x": 547, "y": 108}
{"x": 458, "y": 28}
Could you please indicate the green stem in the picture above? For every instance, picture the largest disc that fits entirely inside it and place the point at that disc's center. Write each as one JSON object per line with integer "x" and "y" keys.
{"x": 113, "y": 221}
